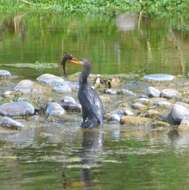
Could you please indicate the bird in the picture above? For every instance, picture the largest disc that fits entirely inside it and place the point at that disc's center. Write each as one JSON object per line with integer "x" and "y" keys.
{"x": 91, "y": 104}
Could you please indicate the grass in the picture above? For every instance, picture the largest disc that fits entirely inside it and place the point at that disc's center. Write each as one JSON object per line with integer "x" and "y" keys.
{"x": 149, "y": 7}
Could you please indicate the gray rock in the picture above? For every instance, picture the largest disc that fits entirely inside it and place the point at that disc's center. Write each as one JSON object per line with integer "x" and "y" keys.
{"x": 24, "y": 86}
{"x": 143, "y": 100}
{"x": 162, "y": 102}
{"x": 159, "y": 77}
{"x": 153, "y": 92}
{"x": 20, "y": 108}
{"x": 69, "y": 104}
{"x": 127, "y": 92}
{"x": 69, "y": 99}
{"x": 57, "y": 83}
{"x": 4, "y": 74}
{"x": 117, "y": 115}
{"x": 138, "y": 106}
{"x": 10, "y": 123}
{"x": 179, "y": 112}
{"x": 54, "y": 109}
{"x": 169, "y": 93}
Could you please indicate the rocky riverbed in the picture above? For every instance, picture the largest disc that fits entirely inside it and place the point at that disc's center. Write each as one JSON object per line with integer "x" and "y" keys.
{"x": 157, "y": 103}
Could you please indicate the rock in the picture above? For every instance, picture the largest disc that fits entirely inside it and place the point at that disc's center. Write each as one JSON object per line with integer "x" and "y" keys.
{"x": 179, "y": 112}
{"x": 9, "y": 94}
{"x": 114, "y": 82}
{"x": 159, "y": 77}
{"x": 138, "y": 106}
{"x": 127, "y": 92}
{"x": 10, "y": 123}
{"x": 4, "y": 74}
{"x": 169, "y": 93}
{"x": 110, "y": 91}
{"x": 152, "y": 113}
{"x": 54, "y": 109}
{"x": 143, "y": 100}
{"x": 153, "y": 92}
{"x": 20, "y": 108}
{"x": 162, "y": 103}
{"x": 116, "y": 116}
{"x": 24, "y": 86}
{"x": 69, "y": 104}
{"x": 134, "y": 120}
{"x": 57, "y": 83}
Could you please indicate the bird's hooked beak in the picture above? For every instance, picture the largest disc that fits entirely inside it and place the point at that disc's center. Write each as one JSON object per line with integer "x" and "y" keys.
{"x": 76, "y": 61}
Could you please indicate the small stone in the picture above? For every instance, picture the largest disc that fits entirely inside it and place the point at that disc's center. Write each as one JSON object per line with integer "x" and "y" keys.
{"x": 169, "y": 93}
{"x": 20, "y": 108}
{"x": 54, "y": 109}
{"x": 69, "y": 99}
{"x": 134, "y": 120}
{"x": 10, "y": 123}
{"x": 138, "y": 106}
{"x": 110, "y": 91}
{"x": 116, "y": 117}
{"x": 70, "y": 104}
{"x": 161, "y": 102}
{"x": 153, "y": 92}
{"x": 127, "y": 92}
{"x": 143, "y": 100}
{"x": 4, "y": 74}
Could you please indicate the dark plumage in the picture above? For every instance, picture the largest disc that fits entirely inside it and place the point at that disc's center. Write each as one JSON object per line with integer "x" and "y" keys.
{"x": 92, "y": 107}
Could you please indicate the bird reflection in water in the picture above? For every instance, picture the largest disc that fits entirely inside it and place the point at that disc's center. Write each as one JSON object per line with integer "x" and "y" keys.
{"x": 92, "y": 147}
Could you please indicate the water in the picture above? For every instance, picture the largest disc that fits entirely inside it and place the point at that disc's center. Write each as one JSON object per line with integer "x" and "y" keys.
{"x": 31, "y": 44}
{"x": 56, "y": 155}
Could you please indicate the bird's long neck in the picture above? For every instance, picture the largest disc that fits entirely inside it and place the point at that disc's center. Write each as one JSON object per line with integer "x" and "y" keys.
{"x": 84, "y": 75}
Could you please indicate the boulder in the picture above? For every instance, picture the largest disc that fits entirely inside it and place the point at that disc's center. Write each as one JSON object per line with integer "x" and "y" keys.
{"x": 20, "y": 108}
{"x": 179, "y": 112}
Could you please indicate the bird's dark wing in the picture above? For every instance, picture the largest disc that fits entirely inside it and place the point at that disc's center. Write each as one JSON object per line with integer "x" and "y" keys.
{"x": 91, "y": 103}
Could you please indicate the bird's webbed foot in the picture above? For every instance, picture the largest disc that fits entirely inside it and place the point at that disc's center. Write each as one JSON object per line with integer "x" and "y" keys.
{"x": 89, "y": 123}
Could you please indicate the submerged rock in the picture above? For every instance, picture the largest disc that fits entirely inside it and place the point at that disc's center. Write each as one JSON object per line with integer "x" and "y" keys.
{"x": 4, "y": 74}
{"x": 10, "y": 123}
{"x": 20, "y": 108}
{"x": 153, "y": 92}
{"x": 169, "y": 93}
{"x": 159, "y": 77}
{"x": 54, "y": 109}
{"x": 179, "y": 112}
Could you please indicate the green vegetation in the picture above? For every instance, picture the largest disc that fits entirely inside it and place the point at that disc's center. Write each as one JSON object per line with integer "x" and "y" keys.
{"x": 150, "y": 7}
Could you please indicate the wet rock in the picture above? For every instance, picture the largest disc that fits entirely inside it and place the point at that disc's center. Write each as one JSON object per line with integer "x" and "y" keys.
{"x": 110, "y": 91}
{"x": 138, "y": 106}
{"x": 20, "y": 108}
{"x": 115, "y": 117}
{"x": 153, "y": 92}
{"x": 179, "y": 112}
{"x": 134, "y": 120}
{"x": 69, "y": 104}
{"x": 127, "y": 92}
{"x": 10, "y": 123}
{"x": 161, "y": 102}
{"x": 54, "y": 109}
{"x": 4, "y": 74}
{"x": 159, "y": 77}
{"x": 57, "y": 83}
{"x": 169, "y": 93}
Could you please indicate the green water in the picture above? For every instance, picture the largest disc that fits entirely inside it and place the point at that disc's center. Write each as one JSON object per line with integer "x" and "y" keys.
{"x": 121, "y": 44}
{"x": 63, "y": 156}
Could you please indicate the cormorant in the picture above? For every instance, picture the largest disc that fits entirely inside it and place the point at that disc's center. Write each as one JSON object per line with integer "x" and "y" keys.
{"x": 92, "y": 107}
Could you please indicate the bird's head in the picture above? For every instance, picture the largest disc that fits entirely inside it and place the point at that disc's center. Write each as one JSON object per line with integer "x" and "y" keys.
{"x": 70, "y": 59}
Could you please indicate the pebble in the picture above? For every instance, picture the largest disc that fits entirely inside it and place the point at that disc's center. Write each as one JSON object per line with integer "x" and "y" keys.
{"x": 10, "y": 123}
{"x": 54, "y": 109}
{"x": 169, "y": 93}
{"x": 153, "y": 92}
{"x": 4, "y": 74}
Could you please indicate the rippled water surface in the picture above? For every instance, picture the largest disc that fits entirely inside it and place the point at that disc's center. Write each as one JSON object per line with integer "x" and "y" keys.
{"x": 61, "y": 155}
